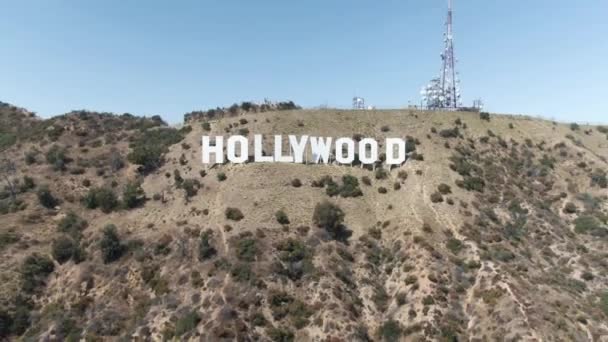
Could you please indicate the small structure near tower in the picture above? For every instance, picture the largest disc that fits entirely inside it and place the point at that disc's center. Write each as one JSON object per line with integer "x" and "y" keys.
{"x": 358, "y": 103}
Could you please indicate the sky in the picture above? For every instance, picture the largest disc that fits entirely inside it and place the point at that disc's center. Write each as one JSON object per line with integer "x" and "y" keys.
{"x": 541, "y": 58}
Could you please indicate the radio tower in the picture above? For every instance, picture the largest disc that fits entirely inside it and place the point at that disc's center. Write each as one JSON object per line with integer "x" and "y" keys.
{"x": 444, "y": 92}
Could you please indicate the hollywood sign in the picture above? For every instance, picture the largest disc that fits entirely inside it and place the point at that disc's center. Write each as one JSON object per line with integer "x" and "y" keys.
{"x": 319, "y": 149}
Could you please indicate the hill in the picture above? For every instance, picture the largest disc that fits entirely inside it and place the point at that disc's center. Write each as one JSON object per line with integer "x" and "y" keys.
{"x": 494, "y": 229}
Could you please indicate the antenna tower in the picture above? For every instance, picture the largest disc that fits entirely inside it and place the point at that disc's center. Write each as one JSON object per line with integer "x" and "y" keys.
{"x": 444, "y": 92}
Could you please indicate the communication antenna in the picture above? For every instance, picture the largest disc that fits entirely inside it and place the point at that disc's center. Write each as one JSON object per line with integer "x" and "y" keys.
{"x": 444, "y": 92}
{"x": 358, "y": 103}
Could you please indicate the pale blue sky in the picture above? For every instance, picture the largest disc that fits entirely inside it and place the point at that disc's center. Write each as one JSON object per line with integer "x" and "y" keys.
{"x": 540, "y": 57}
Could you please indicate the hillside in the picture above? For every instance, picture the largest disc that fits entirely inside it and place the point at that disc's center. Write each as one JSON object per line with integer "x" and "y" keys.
{"x": 112, "y": 229}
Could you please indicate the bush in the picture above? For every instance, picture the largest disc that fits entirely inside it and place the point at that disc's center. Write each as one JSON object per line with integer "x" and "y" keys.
{"x": 450, "y": 133}
{"x": 397, "y": 186}
{"x": 390, "y": 331}
{"x": 328, "y": 216}
{"x": 570, "y": 208}
{"x": 103, "y": 198}
{"x": 56, "y": 156}
{"x": 296, "y": 183}
{"x": 149, "y": 147}
{"x": 574, "y": 126}
{"x": 205, "y": 249}
{"x": 604, "y": 303}
{"x": 34, "y": 271}
{"x": 281, "y": 217}
{"x": 221, "y": 176}
{"x": 366, "y": 180}
{"x": 133, "y": 195}
{"x": 246, "y": 248}
{"x": 484, "y": 116}
{"x": 234, "y": 214}
{"x": 385, "y": 129}
{"x": 72, "y": 225}
{"x": 28, "y": 184}
{"x": 402, "y": 175}
{"x": 187, "y": 323}
{"x": 381, "y": 173}
{"x": 280, "y": 334}
{"x": 46, "y": 199}
{"x": 382, "y": 190}
{"x": 111, "y": 247}
{"x": 454, "y": 245}
{"x": 191, "y": 187}
{"x": 472, "y": 184}
{"x": 444, "y": 189}
{"x": 350, "y": 187}
{"x": 206, "y": 126}
{"x": 598, "y": 178}
{"x": 436, "y": 197}
{"x": 589, "y": 225}
{"x": 63, "y": 248}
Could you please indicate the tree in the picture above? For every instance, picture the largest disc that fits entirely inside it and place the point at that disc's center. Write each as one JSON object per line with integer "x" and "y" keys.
{"x": 111, "y": 247}
{"x": 133, "y": 195}
{"x": 7, "y": 172}
{"x": 46, "y": 198}
{"x": 63, "y": 248}
{"x": 329, "y": 217}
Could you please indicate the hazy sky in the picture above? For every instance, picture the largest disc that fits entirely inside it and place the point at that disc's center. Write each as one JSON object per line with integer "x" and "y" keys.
{"x": 540, "y": 57}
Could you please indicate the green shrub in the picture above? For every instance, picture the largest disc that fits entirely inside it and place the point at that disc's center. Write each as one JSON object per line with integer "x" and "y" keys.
{"x": 472, "y": 184}
{"x": 350, "y": 187}
{"x": 382, "y": 190}
{"x": 328, "y": 216}
{"x": 574, "y": 126}
{"x": 436, "y": 197}
{"x": 234, "y": 214}
{"x": 72, "y": 225}
{"x": 390, "y": 331}
{"x": 449, "y": 133}
{"x": 103, "y": 198}
{"x": 604, "y": 303}
{"x": 56, "y": 156}
{"x": 598, "y": 178}
{"x": 589, "y": 225}
{"x": 296, "y": 183}
{"x": 366, "y": 180}
{"x": 191, "y": 187}
{"x": 205, "y": 249}
{"x": 221, "y": 176}
{"x": 149, "y": 147}
{"x": 484, "y": 116}
{"x": 206, "y": 126}
{"x": 281, "y": 217}
{"x": 246, "y": 248}
{"x": 63, "y": 248}
{"x": 242, "y": 272}
{"x": 402, "y": 175}
{"x": 46, "y": 199}
{"x": 186, "y": 323}
{"x": 381, "y": 173}
{"x": 111, "y": 247}
{"x": 133, "y": 195}
{"x": 444, "y": 189}
{"x": 7, "y": 140}
{"x": 5, "y": 323}
{"x": 570, "y": 208}
{"x": 454, "y": 245}
{"x": 280, "y": 334}
{"x": 27, "y": 184}
{"x": 34, "y": 271}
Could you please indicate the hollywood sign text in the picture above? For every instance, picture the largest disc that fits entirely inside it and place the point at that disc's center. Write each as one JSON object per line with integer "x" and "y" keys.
{"x": 320, "y": 148}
